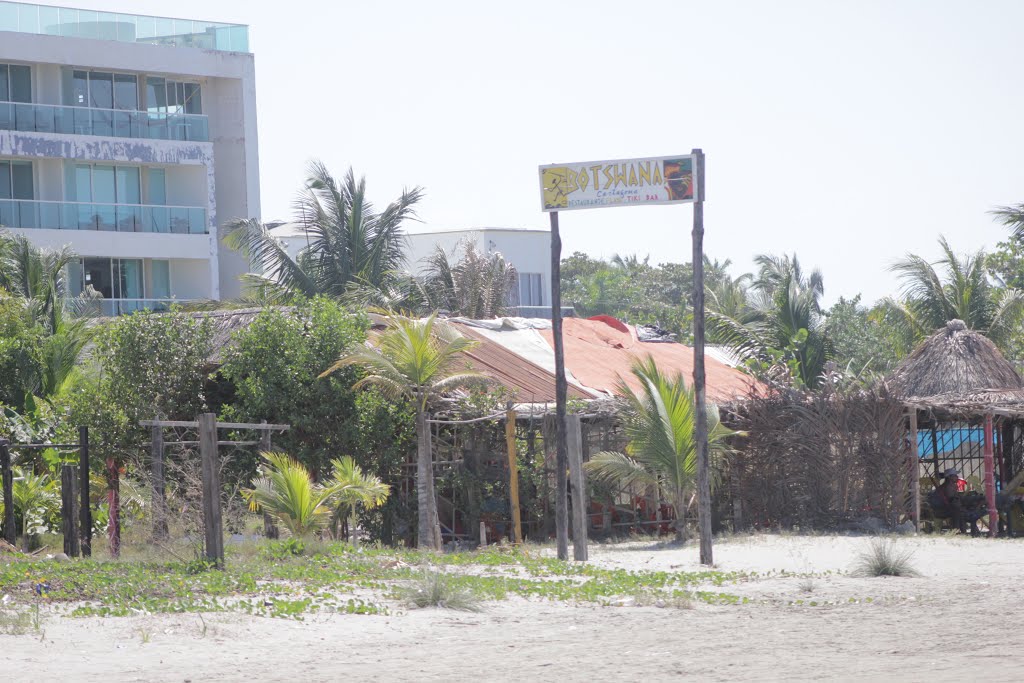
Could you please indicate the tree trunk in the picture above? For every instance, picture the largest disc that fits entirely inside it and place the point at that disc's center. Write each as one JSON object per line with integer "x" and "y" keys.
{"x": 679, "y": 501}
{"x": 428, "y": 526}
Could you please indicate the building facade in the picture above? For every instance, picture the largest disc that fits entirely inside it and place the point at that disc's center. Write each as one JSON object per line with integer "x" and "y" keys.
{"x": 129, "y": 139}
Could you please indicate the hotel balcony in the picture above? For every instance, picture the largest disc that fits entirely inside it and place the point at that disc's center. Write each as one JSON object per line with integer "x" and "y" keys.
{"x": 28, "y": 214}
{"x": 69, "y": 22}
{"x": 48, "y": 118}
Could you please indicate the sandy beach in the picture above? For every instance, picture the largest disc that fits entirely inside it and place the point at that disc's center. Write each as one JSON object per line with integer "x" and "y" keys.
{"x": 805, "y": 618}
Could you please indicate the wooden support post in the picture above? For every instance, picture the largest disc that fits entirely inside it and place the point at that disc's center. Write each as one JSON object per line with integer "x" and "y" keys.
{"x": 915, "y": 470}
{"x": 700, "y": 430}
{"x": 10, "y": 533}
{"x": 990, "y": 479}
{"x": 211, "y": 489}
{"x": 113, "y": 508}
{"x": 561, "y": 393}
{"x": 513, "y": 474}
{"x": 68, "y": 508}
{"x": 85, "y": 510}
{"x": 270, "y": 529}
{"x": 578, "y": 481}
{"x": 156, "y": 449}
{"x": 483, "y": 534}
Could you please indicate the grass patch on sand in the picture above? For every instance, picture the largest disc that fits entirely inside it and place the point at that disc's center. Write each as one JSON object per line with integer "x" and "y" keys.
{"x": 883, "y": 558}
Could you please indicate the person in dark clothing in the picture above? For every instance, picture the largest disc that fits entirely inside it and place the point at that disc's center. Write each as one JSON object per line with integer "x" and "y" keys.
{"x": 947, "y": 499}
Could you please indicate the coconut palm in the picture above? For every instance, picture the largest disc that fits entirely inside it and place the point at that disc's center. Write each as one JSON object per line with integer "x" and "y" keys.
{"x": 38, "y": 276}
{"x": 350, "y": 488}
{"x": 781, "y": 331}
{"x": 952, "y": 288}
{"x": 417, "y": 360}
{"x": 659, "y": 423}
{"x": 476, "y": 286}
{"x": 286, "y": 492}
{"x": 1012, "y": 217}
{"x": 349, "y": 242}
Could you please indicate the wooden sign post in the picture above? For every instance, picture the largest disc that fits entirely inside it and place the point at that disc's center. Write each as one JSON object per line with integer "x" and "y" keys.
{"x": 700, "y": 428}
{"x": 561, "y": 392}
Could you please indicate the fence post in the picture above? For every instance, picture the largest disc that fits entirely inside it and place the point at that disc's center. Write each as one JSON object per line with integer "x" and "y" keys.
{"x": 114, "y": 507}
{"x": 85, "y": 511}
{"x": 578, "y": 482}
{"x": 513, "y": 474}
{"x": 68, "y": 523}
{"x": 10, "y": 534}
{"x": 211, "y": 489}
{"x": 270, "y": 529}
{"x": 156, "y": 447}
{"x": 915, "y": 471}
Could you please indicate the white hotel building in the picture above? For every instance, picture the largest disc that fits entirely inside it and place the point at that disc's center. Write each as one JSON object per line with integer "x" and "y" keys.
{"x": 130, "y": 139}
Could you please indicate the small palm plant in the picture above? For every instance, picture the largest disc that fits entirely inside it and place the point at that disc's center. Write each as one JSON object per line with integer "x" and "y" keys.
{"x": 659, "y": 423}
{"x": 350, "y": 488}
{"x": 287, "y": 493}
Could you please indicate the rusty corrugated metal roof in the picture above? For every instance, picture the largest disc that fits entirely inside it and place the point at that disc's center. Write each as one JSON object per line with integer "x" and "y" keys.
{"x": 528, "y": 381}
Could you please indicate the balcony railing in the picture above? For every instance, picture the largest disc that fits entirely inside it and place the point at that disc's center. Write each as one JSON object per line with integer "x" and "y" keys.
{"x": 126, "y": 28}
{"x": 118, "y": 123}
{"x": 30, "y": 214}
{"x": 112, "y": 307}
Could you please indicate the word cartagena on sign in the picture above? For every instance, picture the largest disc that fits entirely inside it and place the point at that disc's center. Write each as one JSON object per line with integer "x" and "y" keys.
{"x": 623, "y": 182}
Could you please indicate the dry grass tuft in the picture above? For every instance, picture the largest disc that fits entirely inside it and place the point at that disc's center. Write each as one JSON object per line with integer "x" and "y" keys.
{"x": 883, "y": 558}
{"x": 437, "y": 589}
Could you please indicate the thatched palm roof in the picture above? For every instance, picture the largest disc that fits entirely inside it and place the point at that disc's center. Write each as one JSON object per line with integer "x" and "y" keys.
{"x": 956, "y": 365}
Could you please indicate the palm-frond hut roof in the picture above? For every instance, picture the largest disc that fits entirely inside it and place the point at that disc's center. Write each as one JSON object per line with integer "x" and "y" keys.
{"x": 958, "y": 368}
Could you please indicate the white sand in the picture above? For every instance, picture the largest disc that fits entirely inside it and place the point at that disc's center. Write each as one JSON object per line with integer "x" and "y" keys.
{"x": 961, "y": 620}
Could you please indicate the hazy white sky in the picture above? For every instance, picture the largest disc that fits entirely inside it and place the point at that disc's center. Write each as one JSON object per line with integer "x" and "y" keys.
{"x": 848, "y": 132}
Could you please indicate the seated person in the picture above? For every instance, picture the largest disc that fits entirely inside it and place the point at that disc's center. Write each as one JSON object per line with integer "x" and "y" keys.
{"x": 947, "y": 500}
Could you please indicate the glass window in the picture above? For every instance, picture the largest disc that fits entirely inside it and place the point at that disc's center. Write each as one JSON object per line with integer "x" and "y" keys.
{"x": 129, "y": 285}
{"x": 21, "y": 180}
{"x": 98, "y": 276}
{"x": 5, "y": 180}
{"x": 156, "y": 95}
{"x": 76, "y": 274}
{"x": 80, "y": 89}
{"x": 157, "y": 187}
{"x": 21, "y": 83}
{"x": 161, "y": 276}
{"x": 101, "y": 90}
{"x": 128, "y": 189}
{"x": 193, "y": 99}
{"x": 126, "y": 92}
{"x": 103, "y": 185}
{"x": 82, "y": 190}
{"x": 5, "y": 88}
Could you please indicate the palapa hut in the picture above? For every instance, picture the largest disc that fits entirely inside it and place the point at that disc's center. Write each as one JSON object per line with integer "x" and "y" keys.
{"x": 965, "y": 406}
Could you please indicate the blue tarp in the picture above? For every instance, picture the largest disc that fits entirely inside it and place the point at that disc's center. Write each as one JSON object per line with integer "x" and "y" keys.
{"x": 950, "y": 439}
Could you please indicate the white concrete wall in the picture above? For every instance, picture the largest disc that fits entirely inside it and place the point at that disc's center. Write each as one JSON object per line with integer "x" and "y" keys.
{"x": 122, "y": 244}
{"x": 528, "y": 250}
{"x": 189, "y": 279}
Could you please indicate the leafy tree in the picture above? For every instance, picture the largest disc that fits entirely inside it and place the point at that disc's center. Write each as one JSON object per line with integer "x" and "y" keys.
{"x": 20, "y": 352}
{"x": 272, "y": 368}
{"x": 659, "y": 423}
{"x": 860, "y": 343}
{"x": 958, "y": 289}
{"x": 350, "y": 244}
{"x": 416, "y": 360}
{"x": 476, "y": 286}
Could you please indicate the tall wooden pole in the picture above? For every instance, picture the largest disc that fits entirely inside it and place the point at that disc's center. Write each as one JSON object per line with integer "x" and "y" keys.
{"x": 513, "y": 474}
{"x": 915, "y": 470}
{"x": 211, "y": 489}
{"x": 700, "y": 431}
{"x": 270, "y": 529}
{"x": 85, "y": 509}
{"x": 561, "y": 390}
{"x": 10, "y": 534}
{"x": 574, "y": 442}
{"x": 990, "y": 479}
{"x": 68, "y": 523}
{"x": 156, "y": 446}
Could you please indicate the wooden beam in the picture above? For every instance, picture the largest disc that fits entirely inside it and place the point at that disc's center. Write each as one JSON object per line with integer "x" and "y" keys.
{"x": 220, "y": 425}
{"x": 578, "y": 481}
{"x": 10, "y": 534}
{"x": 211, "y": 489}
{"x": 915, "y": 470}
{"x": 990, "y": 479}
{"x": 700, "y": 430}
{"x": 85, "y": 508}
{"x": 513, "y": 475}
{"x": 68, "y": 523}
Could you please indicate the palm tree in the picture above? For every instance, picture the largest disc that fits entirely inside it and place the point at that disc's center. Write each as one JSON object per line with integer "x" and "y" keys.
{"x": 286, "y": 492}
{"x": 1012, "y": 217}
{"x": 349, "y": 242}
{"x": 477, "y": 286}
{"x": 781, "y": 330}
{"x": 417, "y": 360}
{"x": 659, "y": 423}
{"x": 958, "y": 289}
{"x": 350, "y": 487}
